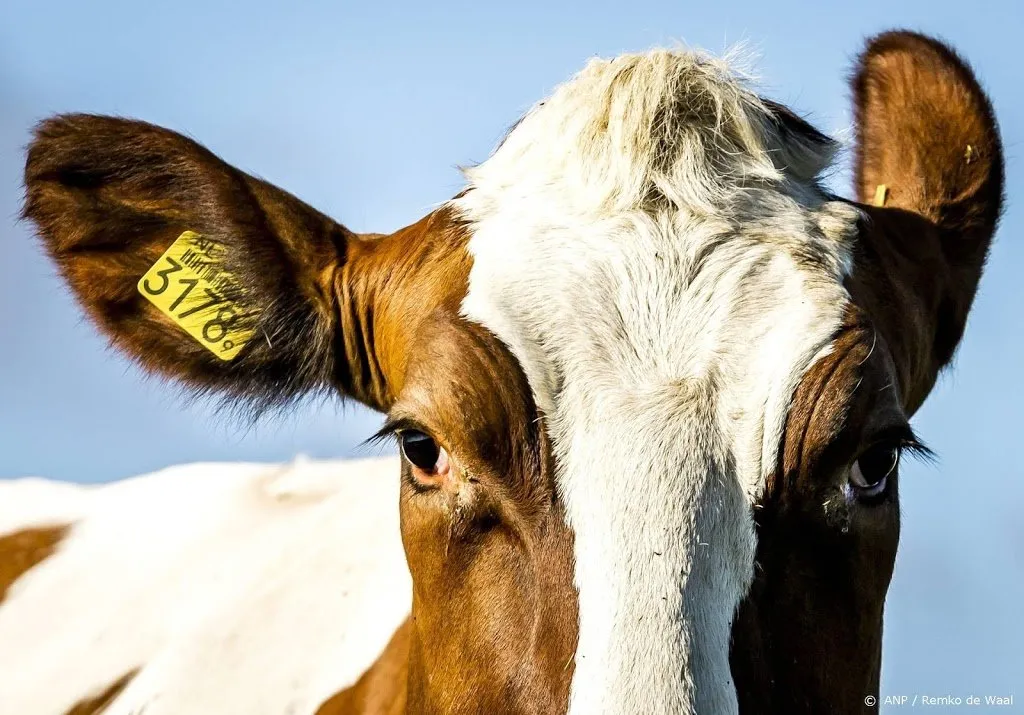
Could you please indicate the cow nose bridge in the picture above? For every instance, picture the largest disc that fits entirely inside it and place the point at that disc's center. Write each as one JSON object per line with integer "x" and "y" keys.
{"x": 664, "y": 548}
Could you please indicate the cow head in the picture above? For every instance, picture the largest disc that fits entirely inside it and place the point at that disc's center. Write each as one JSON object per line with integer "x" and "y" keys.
{"x": 650, "y": 382}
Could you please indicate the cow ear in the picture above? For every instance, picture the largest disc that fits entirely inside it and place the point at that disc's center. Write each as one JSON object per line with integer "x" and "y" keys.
{"x": 927, "y": 135}
{"x": 197, "y": 270}
{"x": 929, "y": 167}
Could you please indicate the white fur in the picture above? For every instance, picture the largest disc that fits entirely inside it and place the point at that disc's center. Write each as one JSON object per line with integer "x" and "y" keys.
{"x": 236, "y": 588}
{"x": 657, "y": 254}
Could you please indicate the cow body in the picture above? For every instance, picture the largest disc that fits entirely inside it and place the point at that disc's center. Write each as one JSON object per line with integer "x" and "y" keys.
{"x": 227, "y": 588}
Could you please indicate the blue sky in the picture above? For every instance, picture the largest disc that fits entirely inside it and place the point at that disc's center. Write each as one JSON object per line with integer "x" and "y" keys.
{"x": 365, "y": 110}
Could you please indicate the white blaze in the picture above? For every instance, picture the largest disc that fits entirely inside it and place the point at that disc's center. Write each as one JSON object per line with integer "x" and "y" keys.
{"x": 654, "y": 250}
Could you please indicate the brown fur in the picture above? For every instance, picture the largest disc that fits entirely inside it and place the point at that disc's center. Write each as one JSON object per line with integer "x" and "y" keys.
{"x": 494, "y": 609}
{"x": 96, "y": 704}
{"x": 926, "y": 130}
{"x": 807, "y": 638}
{"x": 824, "y": 565}
{"x": 494, "y": 606}
{"x": 494, "y": 614}
{"x": 24, "y": 549}
{"x": 110, "y": 195}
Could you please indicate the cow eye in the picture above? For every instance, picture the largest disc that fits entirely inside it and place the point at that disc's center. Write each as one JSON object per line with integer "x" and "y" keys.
{"x": 422, "y": 451}
{"x": 870, "y": 474}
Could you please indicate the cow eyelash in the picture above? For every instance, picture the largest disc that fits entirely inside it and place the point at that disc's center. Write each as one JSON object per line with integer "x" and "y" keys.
{"x": 392, "y": 429}
{"x": 903, "y": 438}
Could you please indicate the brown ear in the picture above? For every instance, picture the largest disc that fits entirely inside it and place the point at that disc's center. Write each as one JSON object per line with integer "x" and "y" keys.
{"x": 928, "y": 150}
{"x": 109, "y": 196}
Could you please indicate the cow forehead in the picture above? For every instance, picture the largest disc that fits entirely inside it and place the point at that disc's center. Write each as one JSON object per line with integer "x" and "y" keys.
{"x": 652, "y": 246}
{"x": 655, "y": 223}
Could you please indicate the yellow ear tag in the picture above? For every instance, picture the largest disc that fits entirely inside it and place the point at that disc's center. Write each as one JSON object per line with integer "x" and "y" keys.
{"x": 881, "y": 194}
{"x": 188, "y": 285}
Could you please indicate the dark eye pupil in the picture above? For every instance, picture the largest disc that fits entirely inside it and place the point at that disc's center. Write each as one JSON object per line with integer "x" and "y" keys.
{"x": 878, "y": 463}
{"x": 420, "y": 449}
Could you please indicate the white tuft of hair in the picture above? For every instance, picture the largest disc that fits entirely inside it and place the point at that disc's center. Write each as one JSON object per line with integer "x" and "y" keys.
{"x": 679, "y": 127}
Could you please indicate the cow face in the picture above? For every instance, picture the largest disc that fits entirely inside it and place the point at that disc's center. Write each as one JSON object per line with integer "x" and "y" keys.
{"x": 650, "y": 382}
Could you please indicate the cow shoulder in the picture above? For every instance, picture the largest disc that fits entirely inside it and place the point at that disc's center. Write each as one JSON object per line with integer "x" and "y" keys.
{"x": 219, "y": 587}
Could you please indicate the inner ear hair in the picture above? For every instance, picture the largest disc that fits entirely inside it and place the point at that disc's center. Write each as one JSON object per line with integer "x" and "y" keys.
{"x": 929, "y": 171}
{"x": 927, "y": 133}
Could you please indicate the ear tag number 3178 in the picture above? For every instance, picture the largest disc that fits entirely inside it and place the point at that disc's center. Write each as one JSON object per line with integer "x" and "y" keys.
{"x": 189, "y": 287}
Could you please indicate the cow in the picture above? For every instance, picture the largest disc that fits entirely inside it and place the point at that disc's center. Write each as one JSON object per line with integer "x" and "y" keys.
{"x": 650, "y": 384}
